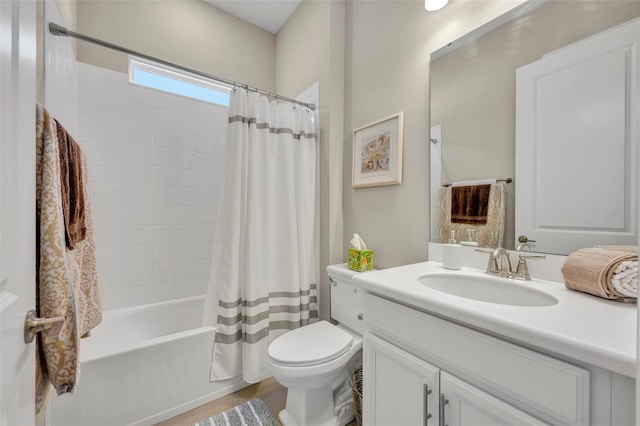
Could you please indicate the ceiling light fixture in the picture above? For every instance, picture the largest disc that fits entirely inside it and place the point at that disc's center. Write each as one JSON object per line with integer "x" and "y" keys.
{"x": 433, "y": 5}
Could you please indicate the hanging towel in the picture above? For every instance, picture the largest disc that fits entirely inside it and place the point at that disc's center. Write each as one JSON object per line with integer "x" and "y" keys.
{"x": 79, "y": 231}
{"x": 470, "y": 204}
{"x": 72, "y": 187}
{"x": 593, "y": 269}
{"x": 66, "y": 279}
{"x": 489, "y": 234}
{"x": 82, "y": 264}
{"x": 57, "y": 358}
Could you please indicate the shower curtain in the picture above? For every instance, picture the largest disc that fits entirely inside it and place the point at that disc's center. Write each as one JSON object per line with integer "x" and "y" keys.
{"x": 264, "y": 269}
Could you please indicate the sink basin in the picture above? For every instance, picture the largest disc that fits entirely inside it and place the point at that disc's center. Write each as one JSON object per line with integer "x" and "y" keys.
{"x": 490, "y": 289}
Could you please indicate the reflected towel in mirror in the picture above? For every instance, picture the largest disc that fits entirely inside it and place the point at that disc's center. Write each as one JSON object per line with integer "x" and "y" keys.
{"x": 470, "y": 204}
{"x": 489, "y": 234}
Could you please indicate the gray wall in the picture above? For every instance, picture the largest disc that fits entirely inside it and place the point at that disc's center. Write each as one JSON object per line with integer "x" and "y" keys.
{"x": 68, "y": 13}
{"x": 310, "y": 48}
{"x": 187, "y": 32}
{"x": 387, "y": 70}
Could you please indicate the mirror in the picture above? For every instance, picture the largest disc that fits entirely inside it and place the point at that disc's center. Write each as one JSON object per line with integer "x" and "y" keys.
{"x": 473, "y": 91}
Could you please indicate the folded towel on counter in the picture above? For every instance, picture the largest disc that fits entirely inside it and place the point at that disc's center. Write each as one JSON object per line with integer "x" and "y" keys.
{"x": 72, "y": 187}
{"x": 593, "y": 270}
{"x": 470, "y": 204}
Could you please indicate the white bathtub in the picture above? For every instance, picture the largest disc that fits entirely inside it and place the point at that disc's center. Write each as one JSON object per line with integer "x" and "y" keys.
{"x": 142, "y": 365}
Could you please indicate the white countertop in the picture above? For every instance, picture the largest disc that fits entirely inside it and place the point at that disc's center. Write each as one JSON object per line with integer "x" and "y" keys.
{"x": 580, "y": 326}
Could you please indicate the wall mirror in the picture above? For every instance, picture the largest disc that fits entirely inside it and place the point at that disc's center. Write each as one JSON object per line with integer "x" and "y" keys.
{"x": 474, "y": 131}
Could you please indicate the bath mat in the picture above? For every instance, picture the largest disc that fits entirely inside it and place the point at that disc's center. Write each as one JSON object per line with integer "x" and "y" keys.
{"x": 249, "y": 413}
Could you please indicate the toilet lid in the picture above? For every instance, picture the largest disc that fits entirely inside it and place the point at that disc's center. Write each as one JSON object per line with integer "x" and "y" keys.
{"x": 312, "y": 344}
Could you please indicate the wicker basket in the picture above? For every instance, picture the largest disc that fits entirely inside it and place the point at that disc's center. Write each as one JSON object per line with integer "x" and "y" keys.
{"x": 356, "y": 387}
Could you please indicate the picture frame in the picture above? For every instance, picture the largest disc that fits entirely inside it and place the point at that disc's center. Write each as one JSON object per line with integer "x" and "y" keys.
{"x": 377, "y": 153}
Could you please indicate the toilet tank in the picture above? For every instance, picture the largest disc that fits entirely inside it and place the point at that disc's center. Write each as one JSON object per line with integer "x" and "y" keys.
{"x": 346, "y": 299}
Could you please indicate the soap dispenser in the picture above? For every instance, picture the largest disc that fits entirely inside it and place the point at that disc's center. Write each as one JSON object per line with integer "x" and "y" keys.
{"x": 471, "y": 239}
{"x": 452, "y": 253}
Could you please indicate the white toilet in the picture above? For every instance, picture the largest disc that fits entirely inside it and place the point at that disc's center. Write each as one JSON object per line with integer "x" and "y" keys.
{"x": 312, "y": 361}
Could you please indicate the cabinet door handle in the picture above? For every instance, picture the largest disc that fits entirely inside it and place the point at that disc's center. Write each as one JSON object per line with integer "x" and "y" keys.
{"x": 443, "y": 401}
{"x": 425, "y": 398}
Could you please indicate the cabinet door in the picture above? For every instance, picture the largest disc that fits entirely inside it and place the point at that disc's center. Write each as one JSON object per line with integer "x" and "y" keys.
{"x": 399, "y": 389}
{"x": 464, "y": 404}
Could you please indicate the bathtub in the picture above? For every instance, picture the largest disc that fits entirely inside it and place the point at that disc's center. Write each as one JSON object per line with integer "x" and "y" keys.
{"x": 142, "y": 365}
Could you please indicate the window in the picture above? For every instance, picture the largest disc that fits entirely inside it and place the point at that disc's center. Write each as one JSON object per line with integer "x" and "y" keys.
{"x": 172, "y": 80}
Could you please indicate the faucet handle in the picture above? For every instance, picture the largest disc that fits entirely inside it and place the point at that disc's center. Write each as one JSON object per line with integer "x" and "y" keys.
{"x": 522, "y": 270}
{"x": 492, "y": 266}
{"x": 499, "y": 261}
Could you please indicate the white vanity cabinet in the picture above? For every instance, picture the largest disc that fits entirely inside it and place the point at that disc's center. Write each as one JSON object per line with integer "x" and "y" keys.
{"x": 482, "y": 380}
{"x": 465, "y": 405}
{"x": 402, "y": 389}
{"x": 399, "y": 388}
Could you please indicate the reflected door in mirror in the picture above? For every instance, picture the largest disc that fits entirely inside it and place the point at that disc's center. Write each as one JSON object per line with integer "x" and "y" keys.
{"x": 574, "y": 112}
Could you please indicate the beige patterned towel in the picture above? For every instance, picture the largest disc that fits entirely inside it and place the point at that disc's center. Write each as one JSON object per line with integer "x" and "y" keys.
{"x": 67, "y": 283}
{"x": 84, "y": 276}
{"x": 591, "y": 269}
{"x": 489, "y": 234}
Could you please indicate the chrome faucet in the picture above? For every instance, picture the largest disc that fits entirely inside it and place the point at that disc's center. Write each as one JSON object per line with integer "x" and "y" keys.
{"x": 500, "y": 264}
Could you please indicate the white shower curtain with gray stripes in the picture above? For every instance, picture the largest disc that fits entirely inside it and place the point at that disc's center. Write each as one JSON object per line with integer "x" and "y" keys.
{"x": 265, "y": 258}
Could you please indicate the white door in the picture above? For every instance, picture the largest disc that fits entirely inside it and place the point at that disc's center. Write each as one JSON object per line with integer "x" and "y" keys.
{"x": 577, "y": 142}
{"x": 466, "y": 405}
{"x": 17, "y": 208}
{"x": 399, "y": 389}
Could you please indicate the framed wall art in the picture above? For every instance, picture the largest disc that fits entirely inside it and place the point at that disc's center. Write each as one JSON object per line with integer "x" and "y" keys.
{"x": 377, "y": 153}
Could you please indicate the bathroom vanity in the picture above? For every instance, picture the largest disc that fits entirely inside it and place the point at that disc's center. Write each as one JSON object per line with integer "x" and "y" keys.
{"x": 454, "y": 357}
{"x": 463, "y": 347}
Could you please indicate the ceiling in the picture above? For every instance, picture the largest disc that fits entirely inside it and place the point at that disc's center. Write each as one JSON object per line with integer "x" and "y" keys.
{"x": 267, "y": 14}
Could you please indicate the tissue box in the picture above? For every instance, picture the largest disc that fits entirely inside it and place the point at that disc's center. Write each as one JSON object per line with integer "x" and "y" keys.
{"x": 360, "y": 260}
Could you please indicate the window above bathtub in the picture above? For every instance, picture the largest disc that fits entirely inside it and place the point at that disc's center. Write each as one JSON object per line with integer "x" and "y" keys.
{"x": 173, "y": 80}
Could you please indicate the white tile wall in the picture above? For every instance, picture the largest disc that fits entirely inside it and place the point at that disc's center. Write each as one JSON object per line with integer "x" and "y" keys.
{"x": 61, "y": 74}
{"x": 155, "y": 169}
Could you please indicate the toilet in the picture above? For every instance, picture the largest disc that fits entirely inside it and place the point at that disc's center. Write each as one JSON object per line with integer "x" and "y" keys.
{"x": 313, "y": 361}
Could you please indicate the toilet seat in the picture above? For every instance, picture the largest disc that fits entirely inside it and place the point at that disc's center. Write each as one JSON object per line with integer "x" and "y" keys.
{"x": 314, "y": 344}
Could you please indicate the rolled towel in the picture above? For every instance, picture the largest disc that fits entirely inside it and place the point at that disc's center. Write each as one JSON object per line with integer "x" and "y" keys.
{"x": 592, "y": 269}
{"x": 625, "y": 278}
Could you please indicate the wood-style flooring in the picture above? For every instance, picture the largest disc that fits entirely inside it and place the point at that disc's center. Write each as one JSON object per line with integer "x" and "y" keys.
{"x": 270, "y": 391}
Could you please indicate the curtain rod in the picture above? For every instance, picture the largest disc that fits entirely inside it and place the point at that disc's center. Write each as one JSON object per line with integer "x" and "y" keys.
{"x": 58, "y": 30}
